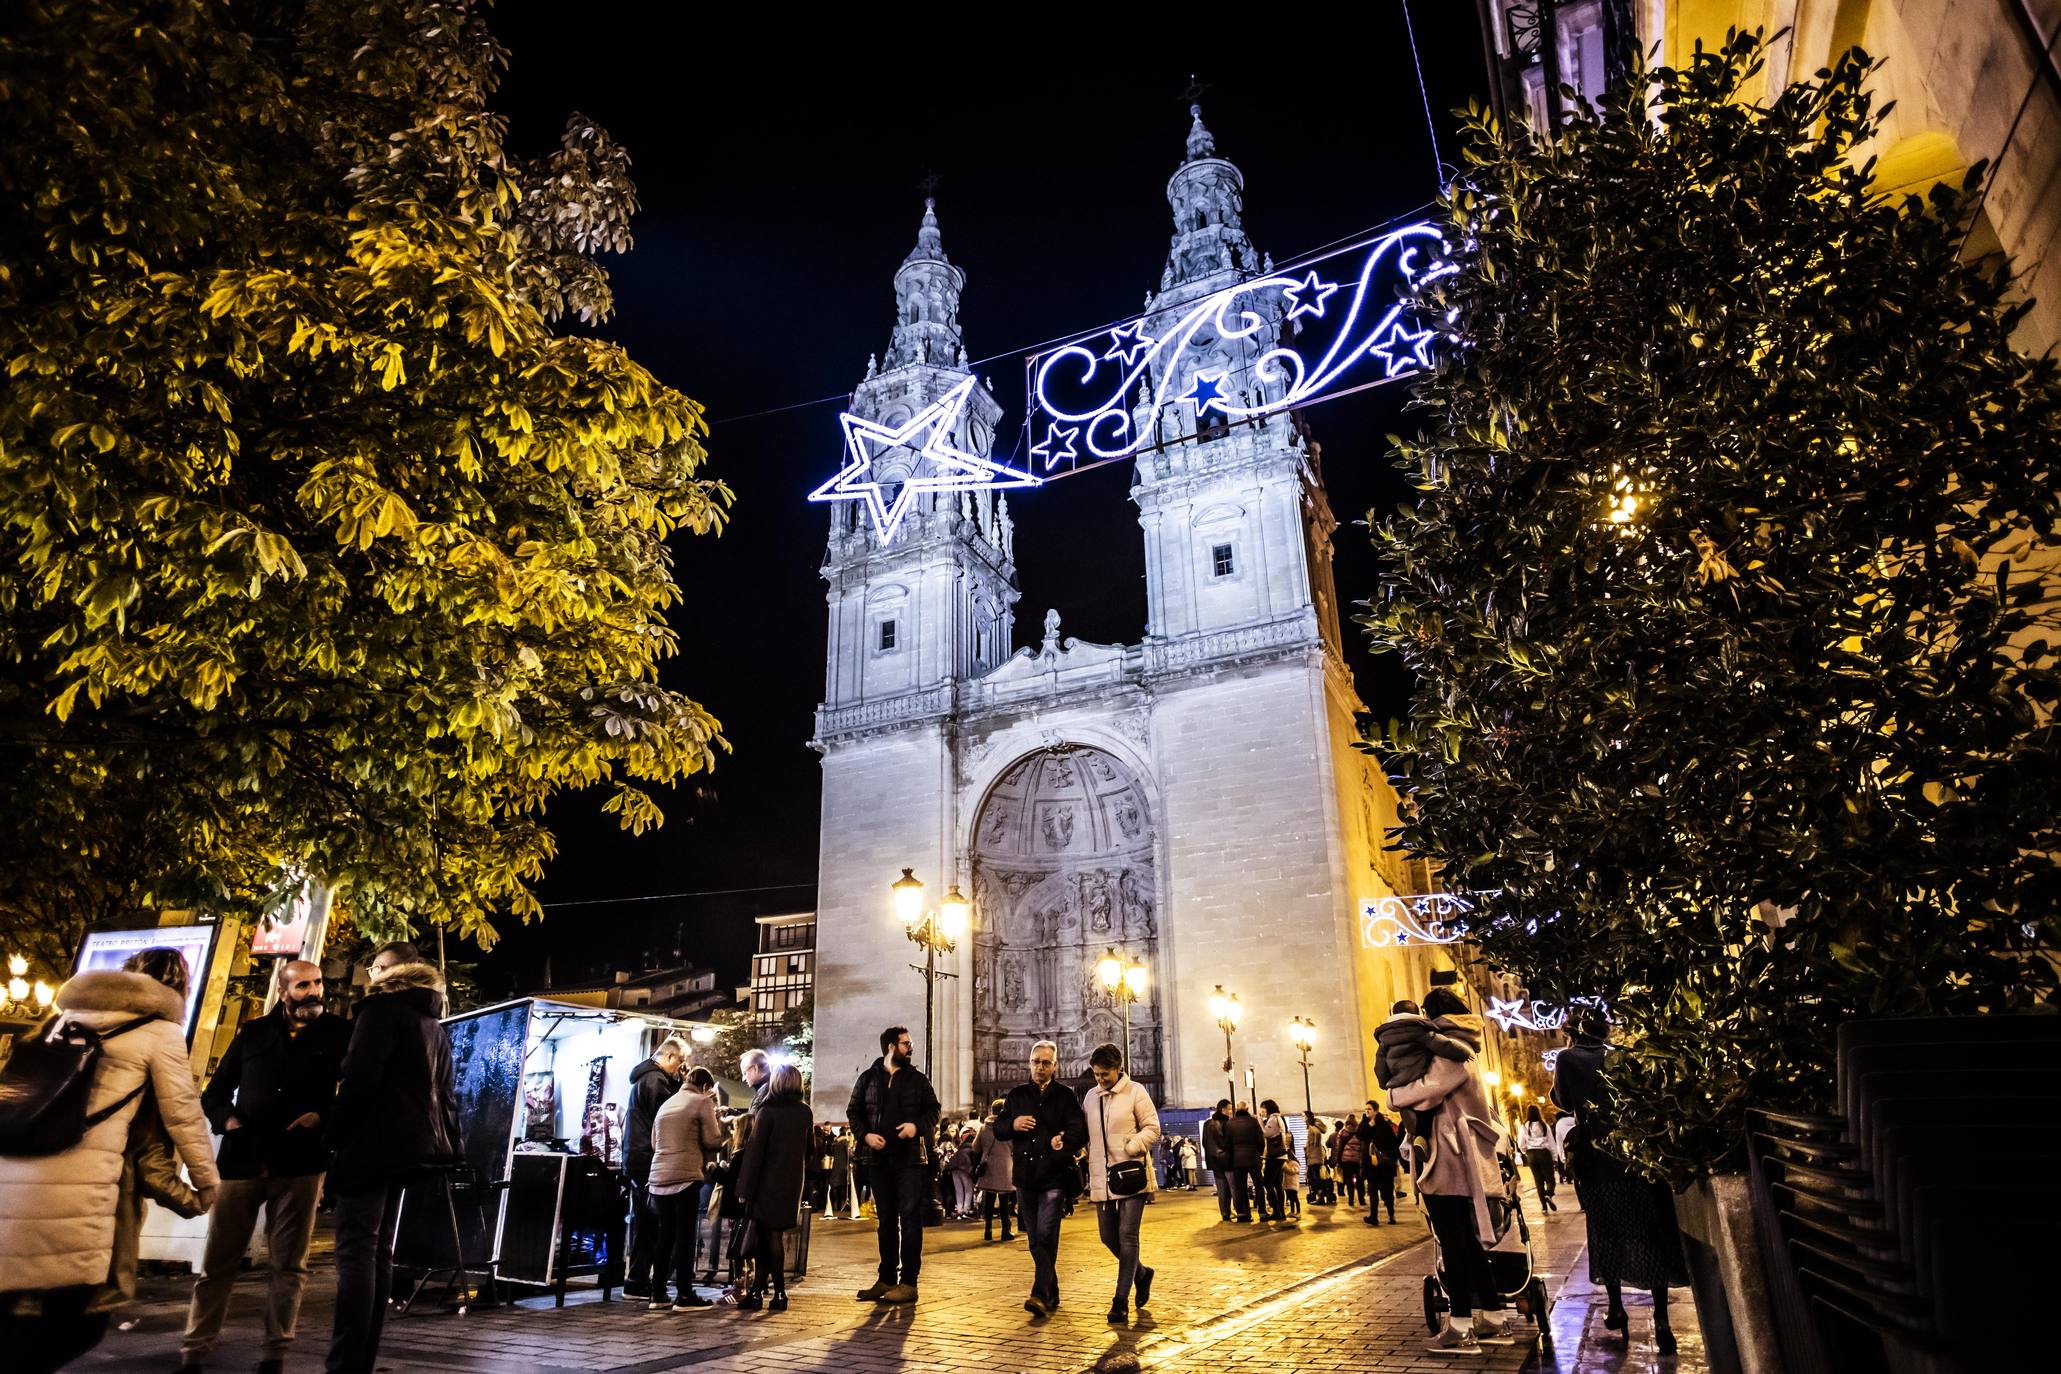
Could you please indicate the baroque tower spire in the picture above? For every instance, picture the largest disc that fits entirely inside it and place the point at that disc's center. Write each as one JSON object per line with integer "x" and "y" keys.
{"x": 1207, "y": 195}
{"x": 927, "y": 289}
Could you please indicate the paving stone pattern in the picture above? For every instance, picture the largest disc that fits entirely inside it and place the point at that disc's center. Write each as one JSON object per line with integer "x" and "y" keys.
{"x": 1329, "y": 1293}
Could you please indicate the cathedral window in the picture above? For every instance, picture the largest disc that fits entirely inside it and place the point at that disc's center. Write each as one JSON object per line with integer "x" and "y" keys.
{"x": 1222, "y": 563}
{"x": 887, "y": 635}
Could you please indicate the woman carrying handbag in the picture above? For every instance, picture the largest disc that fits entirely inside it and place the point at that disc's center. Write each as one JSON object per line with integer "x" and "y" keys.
{"x": 1123, "y": 1126}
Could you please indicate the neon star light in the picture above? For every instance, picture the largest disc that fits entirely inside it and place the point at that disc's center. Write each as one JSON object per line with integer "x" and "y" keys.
{"x": 1291, "y": 337}
{"x": 950, "y": 468}
{"x": 1431, "y": 919}
{"x": 1537, "y": 1016}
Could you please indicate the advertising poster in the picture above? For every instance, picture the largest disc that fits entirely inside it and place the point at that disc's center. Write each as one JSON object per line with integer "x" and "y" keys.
{"x": 109, "y": 949}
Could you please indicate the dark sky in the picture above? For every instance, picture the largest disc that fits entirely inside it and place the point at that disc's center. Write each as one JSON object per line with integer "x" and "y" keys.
{"x": 779, "y": 172}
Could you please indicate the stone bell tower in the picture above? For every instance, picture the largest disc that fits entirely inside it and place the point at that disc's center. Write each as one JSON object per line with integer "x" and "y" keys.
{"x": 910, "y": 619}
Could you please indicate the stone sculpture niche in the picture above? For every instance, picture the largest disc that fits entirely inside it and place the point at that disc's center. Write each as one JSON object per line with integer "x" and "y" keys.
{"x": 1063, "y": 870}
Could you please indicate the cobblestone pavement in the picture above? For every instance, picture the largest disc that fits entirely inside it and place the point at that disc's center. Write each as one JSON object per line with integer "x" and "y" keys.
{"x": 1326, "y": 1293}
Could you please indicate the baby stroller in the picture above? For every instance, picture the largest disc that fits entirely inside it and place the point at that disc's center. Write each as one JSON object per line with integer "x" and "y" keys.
{"x": 1509, "y": 1260}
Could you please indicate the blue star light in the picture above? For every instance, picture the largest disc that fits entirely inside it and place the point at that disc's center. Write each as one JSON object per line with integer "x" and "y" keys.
{"x": 1057, "y": 445}
{"x": 1207, "y": 393}
{"x": 1314, "y": 289}
{"x": 1402, "y": 348}
{"x": 951, "y": 469}
{"x": 1140, "y": 343}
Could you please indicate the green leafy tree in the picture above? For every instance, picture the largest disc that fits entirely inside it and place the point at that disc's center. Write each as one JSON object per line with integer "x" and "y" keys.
{"x": 322, "y": 548}
{"x": 1728, "y": 592}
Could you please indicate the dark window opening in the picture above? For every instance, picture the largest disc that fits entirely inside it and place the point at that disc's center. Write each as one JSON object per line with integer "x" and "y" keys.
{"x": 1221, "y": 563}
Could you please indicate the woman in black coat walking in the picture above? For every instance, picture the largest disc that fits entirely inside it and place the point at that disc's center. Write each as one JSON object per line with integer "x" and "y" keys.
{"x": 1633, "y": 1239}
{"x": 770, "y": 1179}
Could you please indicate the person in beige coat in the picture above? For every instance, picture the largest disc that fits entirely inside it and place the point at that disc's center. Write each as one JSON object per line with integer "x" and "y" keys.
{"x": 1459, "y": 1172}
{"x": 685, "y": 1135}
{"x": 1123, "y": 1126}
{"x": 60, "y": 1233}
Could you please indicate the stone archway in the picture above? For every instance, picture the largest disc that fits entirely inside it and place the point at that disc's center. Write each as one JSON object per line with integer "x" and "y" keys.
{"x": 1063, "y": 869}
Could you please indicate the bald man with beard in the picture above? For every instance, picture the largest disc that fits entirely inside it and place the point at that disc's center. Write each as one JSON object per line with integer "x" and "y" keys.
{"x": 269, "y": 1099}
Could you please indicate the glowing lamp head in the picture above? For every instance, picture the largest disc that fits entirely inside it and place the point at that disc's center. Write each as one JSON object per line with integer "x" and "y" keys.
{"x": 955, "y": 915}
{"x": 908, "y": 890}
{"x": 1517, "y": 1091}
{"x": 1492, "y": 1078}
{"x": 703, "y": 1035}
{"x": 1302, "y": 1033}
{"x": 18, "y": 989}
{"x": 16, "y": 966}
{"x": 1135, "y": 978}
{"x": 44, "y": 993}
{"x": 1110, "y": 970}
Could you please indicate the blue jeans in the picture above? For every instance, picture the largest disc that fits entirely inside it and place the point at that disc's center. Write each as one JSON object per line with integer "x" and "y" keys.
{"x": 899, "y": 1192}
{"x": 1040, "y": 1211}
{"x": 1119, "y": 1219}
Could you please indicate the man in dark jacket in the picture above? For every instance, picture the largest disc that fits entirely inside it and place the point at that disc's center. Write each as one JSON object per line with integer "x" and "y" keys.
{"x": 651, "y": 1084}
{"x": 269, "y": 1100}
{"x": 1043, "y": 1123}
{"x": 395, "y": 1119}
{"x": 894, "y": 1114}
{"x": 1216, "y": 1156}
{"x": 1248, "y": 1147}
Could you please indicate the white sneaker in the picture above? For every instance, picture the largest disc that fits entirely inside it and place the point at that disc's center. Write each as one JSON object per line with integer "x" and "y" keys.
{"x": 1454, "y": 1340}
{"x": 1488, "y": 1327}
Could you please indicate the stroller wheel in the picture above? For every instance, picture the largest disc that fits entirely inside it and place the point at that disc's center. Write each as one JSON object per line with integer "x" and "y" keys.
{"x": 1434, "y": 1302}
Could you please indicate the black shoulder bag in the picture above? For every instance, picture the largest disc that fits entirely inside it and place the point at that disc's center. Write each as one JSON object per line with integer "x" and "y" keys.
{"x": 1123, "y": 1177}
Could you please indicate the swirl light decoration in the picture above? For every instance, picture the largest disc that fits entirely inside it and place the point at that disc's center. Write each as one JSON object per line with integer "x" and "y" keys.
{"x": 1347, "y": 332}
{"x": 1386, "y": 922}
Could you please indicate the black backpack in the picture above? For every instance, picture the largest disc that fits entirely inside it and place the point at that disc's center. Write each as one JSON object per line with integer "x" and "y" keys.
{"x": 47, "y": 1083}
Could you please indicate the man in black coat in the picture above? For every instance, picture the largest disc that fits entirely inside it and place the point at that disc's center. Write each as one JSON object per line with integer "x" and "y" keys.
{"x": 1248, "y": 1145}
{"x": 395, "y": 1119}
{"x": 1216, "y": 1155}
{"x": 894, "y": 1114}
{"x": 652, "y": 1083}
{"x": 1044, "y": 1125}
{"x": 269, "y": 1100}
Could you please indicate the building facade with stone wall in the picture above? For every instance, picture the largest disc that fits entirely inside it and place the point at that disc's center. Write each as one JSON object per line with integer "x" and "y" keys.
{"x": 1192, "y": 801}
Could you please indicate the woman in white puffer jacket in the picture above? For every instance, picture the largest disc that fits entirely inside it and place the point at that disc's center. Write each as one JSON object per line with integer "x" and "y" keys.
{"x": 58, "y": 1212}
{"x": 1123, "y": 1126}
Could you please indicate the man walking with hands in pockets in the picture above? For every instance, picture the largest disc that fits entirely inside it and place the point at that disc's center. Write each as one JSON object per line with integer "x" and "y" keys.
{"x": 894, "y": 1114}
{"x": 1043, "y": 1123}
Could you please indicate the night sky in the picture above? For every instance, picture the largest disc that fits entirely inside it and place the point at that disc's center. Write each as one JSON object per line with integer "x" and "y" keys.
{"x": 780, "y": 175}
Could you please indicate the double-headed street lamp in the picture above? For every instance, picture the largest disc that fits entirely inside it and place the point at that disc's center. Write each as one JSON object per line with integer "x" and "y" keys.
{"x": 1304, "y": 1034}
{"x": 1124, "y": 979}
{"x": 1224, "y": 1006}
{"x": 938, "y": 931}
{"x": 22, "y": 999}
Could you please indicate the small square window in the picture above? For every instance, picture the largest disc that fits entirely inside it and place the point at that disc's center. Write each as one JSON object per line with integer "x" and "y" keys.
{"x": 887, "y": 635}
{"x": 1221, "y": 562}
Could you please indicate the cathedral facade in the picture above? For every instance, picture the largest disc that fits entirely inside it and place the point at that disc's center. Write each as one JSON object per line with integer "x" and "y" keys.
{"x": 1191, "y": 802}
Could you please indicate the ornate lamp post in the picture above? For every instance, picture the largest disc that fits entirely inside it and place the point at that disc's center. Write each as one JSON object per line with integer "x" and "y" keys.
{"x": 1224, "y": 1006}
{"x": 938, "y": 931}
{"x": 1125, "y": 980}
{"x": 24, "y": 1000}
{"x": 1304, "y": 1034}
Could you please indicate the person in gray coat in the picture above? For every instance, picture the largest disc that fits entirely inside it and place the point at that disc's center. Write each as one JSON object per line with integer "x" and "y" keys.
{"x": 994, "y": 1175}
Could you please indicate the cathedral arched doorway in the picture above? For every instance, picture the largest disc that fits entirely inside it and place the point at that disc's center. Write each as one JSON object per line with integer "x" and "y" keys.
{"x": 1063, "y": 870}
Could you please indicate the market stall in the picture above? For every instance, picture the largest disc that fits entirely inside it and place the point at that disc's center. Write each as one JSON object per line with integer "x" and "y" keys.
{"x": 543, "y": 1092}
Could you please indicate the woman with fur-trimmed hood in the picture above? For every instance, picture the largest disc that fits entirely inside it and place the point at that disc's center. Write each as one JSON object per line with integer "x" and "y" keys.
{"x": 68, "y": 1221}
{"x": 395, "y": 1119}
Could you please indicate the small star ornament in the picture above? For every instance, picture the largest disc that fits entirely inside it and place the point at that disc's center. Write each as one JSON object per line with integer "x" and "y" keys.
{"x": 1402, "y": 348}
{"x": 929, "y": 431}
{"x": 1130, "y": 343}
{"x": 1307, "y": 296}
{"x": 1207, "y": 393}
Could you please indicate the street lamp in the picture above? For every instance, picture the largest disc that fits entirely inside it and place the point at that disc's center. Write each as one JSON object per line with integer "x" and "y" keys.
{"x": 938, "y": 931}
{"x": 1125, "y": 980}
{"x": 1304, "y": 1034}
{"x": 23, "y": 998}
{"x": 1224, "y": 1006}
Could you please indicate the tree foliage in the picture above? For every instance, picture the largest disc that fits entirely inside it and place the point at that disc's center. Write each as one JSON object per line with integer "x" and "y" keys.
{"x": 1729, "y": 582}
{"x": 321, "y": 547}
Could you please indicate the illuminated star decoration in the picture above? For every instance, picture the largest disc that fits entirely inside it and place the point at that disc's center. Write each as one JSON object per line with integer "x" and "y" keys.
{"x": 953, "y": 469}
{"x": 1507, "y": 1014}
{"x": 1130, "y": 342}
{"x": 1057, "y": 445}
{"x": 1402, "y": 348}
{"x": 1314, "y": 289}
{"x": 1207, "y": 393}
